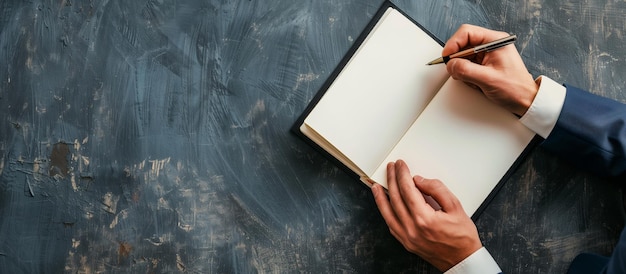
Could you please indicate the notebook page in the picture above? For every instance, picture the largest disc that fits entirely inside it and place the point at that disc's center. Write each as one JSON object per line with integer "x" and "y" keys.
{"x": 380, "y": 91}
{"x": 463, "y": 139}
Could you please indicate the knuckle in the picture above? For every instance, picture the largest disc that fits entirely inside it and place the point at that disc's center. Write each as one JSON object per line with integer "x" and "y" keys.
{"x": 465, "y": 26}
{"x": 423, "y": 223}
{"x": 503, "y": 33}
{"x": 411, "y": 234}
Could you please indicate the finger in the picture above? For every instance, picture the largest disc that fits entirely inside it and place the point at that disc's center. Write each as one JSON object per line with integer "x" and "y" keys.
{"x": 470, "y": 72}
{"x": 395, "y": 197}
{"x": 429, "y": 199}
{"x": 382, "y": 202}
{"x": 440, "y": 193}
{"x": 469, "y": 36}
{"x": 411, "y": 195}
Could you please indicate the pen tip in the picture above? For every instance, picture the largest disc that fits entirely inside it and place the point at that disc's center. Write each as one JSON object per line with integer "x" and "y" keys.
{"x": 436, "y": 61}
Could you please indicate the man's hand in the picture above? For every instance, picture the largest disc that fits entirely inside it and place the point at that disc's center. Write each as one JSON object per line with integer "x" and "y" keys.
{"x": 500, "y": 74}
{"x": 442, "y": 237}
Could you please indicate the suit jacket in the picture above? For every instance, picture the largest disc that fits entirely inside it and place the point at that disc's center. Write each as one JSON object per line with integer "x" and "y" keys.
{"x": 591, "y": 133}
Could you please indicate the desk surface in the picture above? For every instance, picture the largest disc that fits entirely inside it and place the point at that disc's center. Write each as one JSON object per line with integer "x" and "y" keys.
{"x": 153, "y": 136}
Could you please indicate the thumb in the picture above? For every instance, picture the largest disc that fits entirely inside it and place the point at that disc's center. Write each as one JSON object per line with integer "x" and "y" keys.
{"x": 440, "y": 193}
{"x": 468, "y": 71}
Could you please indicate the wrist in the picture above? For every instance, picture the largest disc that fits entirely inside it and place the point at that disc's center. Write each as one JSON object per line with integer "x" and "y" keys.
{"x": 469, "y": 247}
{"x": 527, "y": 96}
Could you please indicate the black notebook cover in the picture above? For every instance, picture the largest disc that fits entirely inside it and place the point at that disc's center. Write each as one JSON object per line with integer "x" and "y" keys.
{"x": 295, "y": 129}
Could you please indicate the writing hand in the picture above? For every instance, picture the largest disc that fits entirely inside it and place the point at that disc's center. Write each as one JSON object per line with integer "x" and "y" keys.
{"x": 442, "y": 237}
{"x": 500, "y": 74}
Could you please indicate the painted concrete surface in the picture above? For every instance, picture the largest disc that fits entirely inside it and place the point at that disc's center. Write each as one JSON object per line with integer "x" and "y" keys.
{"x": 153, "y": 136}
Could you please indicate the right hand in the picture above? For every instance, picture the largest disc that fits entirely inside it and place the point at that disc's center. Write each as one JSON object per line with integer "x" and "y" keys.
{"x": 501, "y": 74}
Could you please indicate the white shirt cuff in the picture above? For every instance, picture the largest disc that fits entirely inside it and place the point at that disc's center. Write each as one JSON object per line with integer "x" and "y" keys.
{"x": 543, "y": 113}
{"x": 480, "y": 262}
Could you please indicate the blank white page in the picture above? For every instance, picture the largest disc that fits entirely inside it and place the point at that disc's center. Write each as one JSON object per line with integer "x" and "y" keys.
{"x": 463, "y": 139}
{"x": 380, "y": 92}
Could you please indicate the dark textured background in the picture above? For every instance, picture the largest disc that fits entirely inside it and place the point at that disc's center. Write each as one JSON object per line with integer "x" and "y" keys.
{"x": 153, "y": 136}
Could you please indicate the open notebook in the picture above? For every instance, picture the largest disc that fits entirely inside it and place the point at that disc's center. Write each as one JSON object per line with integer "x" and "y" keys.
{"x": 383, "y": 103}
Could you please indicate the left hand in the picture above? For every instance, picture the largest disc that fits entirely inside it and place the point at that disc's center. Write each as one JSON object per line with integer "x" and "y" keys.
{"x": 443, "y": 237}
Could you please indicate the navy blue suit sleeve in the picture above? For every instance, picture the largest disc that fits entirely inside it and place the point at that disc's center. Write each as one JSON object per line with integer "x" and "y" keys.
{"x": 590, "y": 133}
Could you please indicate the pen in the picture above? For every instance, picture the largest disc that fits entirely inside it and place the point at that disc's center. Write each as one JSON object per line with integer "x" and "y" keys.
{"x": 491, "y": 46}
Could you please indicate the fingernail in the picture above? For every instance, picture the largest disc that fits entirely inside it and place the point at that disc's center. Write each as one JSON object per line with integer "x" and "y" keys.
{"x": 418, "y": 178}
{"x": 375, "y": 189}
